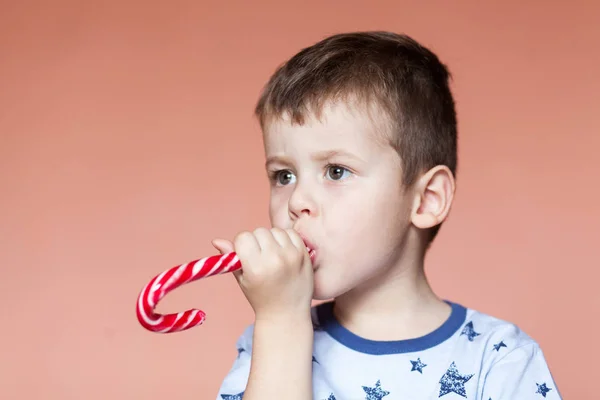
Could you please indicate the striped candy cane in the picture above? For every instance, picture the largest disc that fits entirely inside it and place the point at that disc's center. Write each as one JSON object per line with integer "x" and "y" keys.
{"x": 171, "y": 279}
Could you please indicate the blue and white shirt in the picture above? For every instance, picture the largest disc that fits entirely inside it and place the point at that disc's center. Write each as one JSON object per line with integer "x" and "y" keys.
{"x": 471, "y": 356}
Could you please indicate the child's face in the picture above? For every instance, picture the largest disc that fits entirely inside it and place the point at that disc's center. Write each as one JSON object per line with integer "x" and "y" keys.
{"x": 341, "y": 188}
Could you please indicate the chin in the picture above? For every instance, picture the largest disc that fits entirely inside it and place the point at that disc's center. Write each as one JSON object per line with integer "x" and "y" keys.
{"x": 321, "y": 296}
{"x": 327, "y": 287}
{"x": 320, "y": 292}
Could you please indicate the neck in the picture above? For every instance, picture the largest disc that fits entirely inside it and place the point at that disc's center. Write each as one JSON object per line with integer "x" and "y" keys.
{"x": 399, "y": 304}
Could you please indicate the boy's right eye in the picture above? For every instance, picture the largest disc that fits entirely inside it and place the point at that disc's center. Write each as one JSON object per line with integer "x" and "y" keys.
{"x": 283, "y": 177}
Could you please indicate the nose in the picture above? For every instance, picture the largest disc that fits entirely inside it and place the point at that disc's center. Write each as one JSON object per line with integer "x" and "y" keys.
{"x": 301, "y": 202}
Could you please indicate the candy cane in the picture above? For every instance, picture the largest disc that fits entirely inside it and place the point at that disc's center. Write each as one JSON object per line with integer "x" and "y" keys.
{"x": 171, "y": 279}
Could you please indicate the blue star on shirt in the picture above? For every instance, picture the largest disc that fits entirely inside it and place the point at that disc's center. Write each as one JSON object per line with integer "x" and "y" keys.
{"x": 417, "y": 365}
{"x": 542, "y": 389}
{"x": 314, "y": 359}
{"x": 499, "y": 345}
{"x": 232, "y": 396}
{"x": 375, "y": 393}
{"x": 453, "y": 381}
{"x": 331, "y": 397}
{"x": 469, "y": 331}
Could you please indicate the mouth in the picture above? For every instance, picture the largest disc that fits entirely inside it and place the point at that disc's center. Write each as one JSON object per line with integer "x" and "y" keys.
{"x": 311, "y": 254}
{"x": 310, "y": 249}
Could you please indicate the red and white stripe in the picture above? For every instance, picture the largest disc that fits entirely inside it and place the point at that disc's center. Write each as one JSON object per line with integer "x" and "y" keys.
{"x": 171, "y": 279}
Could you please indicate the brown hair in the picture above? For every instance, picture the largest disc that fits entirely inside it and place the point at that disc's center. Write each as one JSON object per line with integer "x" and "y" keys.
{"x": 404, "y": 78}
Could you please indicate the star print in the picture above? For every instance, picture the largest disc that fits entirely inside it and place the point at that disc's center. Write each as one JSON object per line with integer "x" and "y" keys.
{"x": 469, "y": 331}
{"x": 232, "y": 396}
{"x": 453, "y": 381}
{"x": 331, "y": 397}
{"x": 314, "y": 359}
{"x": 499, "y": 345}
{"x": 542, "y": 389}
{"x": 240, "y": 351}
{"x": 417, "y": 365}
{"x": 375, "y": 393}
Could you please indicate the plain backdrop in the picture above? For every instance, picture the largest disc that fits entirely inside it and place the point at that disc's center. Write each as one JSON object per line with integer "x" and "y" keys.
{"x": 127, "y": 143}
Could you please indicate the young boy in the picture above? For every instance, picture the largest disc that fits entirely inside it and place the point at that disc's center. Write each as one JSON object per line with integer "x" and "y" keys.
{"x": 360, "y": 142}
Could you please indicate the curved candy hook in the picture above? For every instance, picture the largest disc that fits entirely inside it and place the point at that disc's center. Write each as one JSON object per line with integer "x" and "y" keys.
{"x": 171, "y": 279}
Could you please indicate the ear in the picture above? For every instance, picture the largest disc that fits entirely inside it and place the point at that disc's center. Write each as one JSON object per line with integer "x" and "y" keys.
{"x": 433, "y": 196}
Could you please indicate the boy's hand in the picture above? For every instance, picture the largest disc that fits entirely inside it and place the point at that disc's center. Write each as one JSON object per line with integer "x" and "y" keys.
{"x": 276, "y": 275}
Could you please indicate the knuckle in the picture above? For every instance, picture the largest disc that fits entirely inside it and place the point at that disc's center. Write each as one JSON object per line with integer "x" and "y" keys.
{"x": 294, "y": 236}
{"x": 261, "y": 230}
{"x": 241, "y": 237}
{"x": 291, "y": 232}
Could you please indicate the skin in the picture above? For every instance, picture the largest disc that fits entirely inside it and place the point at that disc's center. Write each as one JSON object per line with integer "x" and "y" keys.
{"x": 336, "y": 183}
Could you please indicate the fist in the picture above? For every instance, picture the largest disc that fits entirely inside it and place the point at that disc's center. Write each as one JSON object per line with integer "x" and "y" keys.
{"x": 276, "y": 275}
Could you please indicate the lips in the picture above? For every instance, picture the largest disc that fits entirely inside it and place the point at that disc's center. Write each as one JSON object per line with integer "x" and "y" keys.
{"x": 312, "y": 252}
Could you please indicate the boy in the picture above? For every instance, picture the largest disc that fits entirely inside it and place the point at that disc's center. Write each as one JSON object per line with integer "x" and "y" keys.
{"x": 360, "y": 142}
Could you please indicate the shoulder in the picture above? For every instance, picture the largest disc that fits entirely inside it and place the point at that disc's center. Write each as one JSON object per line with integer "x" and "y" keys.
{"x": 498, "y": 333}
{"x": 244, "y": 340}
{"x": 502, "y": 344}
{"x": 513, "y": 363}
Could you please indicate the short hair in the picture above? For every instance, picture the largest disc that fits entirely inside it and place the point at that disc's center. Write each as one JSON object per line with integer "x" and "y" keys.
{"x": 392, "y": 71}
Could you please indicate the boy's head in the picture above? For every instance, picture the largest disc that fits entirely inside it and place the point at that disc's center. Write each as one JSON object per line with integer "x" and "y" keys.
{"x": 384, "y": 99}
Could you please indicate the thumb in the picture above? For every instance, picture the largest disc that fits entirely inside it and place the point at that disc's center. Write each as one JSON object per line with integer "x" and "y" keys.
{"x": 224, "y": 246}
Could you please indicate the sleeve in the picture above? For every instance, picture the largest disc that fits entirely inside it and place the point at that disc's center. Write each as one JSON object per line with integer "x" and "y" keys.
{"x": 234, "y": 383}
{"x": 521, "y": 374}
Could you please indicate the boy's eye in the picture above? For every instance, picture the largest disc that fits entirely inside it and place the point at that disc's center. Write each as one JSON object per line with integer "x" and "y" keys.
{"x": 284, "y": 177}
{"x": 336, "y": 172}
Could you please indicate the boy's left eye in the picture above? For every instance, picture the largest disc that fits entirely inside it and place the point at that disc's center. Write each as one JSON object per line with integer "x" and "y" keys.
{"x": 335, "y": 172}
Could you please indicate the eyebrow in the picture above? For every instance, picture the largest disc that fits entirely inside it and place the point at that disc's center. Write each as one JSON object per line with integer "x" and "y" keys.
{"x": 320, "y": 156}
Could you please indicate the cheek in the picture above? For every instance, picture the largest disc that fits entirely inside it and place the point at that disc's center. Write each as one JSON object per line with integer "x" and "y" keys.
{"x": 367, "y": 224}
{"x": 278, "y": 212}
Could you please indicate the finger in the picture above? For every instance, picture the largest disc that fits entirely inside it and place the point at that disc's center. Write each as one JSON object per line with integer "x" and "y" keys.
{"x": 238, "y": 275}
{"x": 296, "y": 240}
{"x": 224, "y": 246}
{"x": 265, "y": 239}
{"x": 282, "y": 237}
{"x": 246, "y": 246}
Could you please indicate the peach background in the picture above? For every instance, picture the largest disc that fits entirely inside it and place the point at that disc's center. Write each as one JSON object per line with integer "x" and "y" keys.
{"x": 127, "y": 143}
